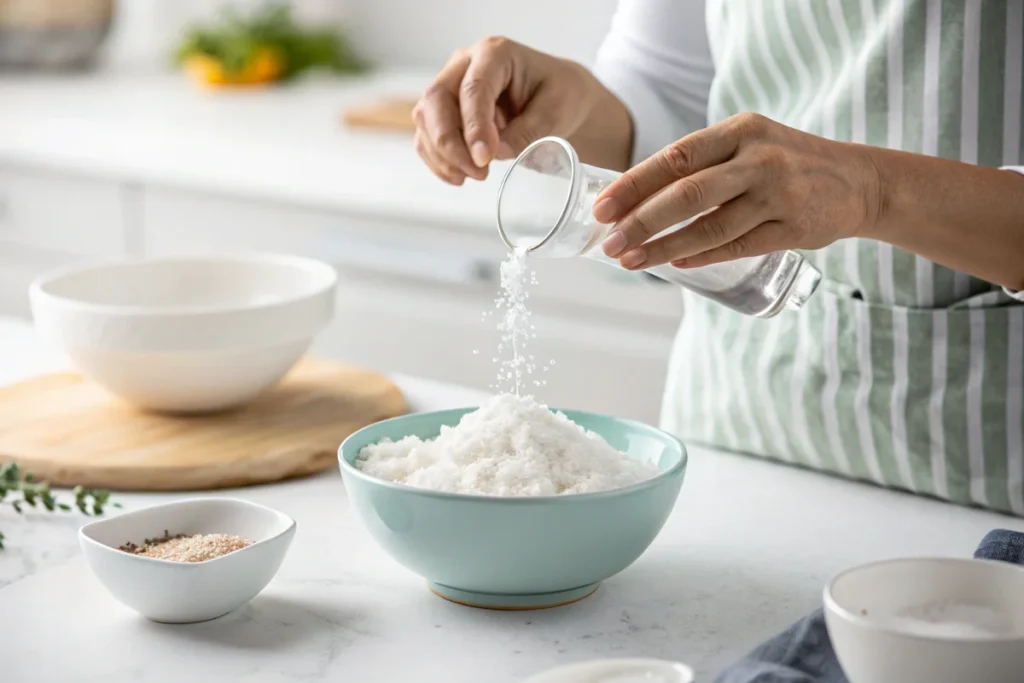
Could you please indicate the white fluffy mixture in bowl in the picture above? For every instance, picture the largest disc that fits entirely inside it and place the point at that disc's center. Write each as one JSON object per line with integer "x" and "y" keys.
{"x": 510, "y": 446}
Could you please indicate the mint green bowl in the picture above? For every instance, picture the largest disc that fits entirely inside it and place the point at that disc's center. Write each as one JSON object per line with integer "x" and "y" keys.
{"x": 516, "y": 553}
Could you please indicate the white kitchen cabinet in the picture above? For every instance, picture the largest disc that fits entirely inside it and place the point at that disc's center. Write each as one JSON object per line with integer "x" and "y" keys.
{"x": 411, "y": 298}
{"x": 48, "y": 220}
{"x": 438, "y": 331}
{"x": 19, "y": 266}
{"x": 59, "y": 212}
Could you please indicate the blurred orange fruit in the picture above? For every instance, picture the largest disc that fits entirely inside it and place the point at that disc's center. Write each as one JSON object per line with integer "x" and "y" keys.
{"x": 265, "y": 66}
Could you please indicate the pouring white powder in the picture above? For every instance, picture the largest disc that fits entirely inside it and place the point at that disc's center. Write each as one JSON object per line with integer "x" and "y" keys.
{"x": 510, "y": 446}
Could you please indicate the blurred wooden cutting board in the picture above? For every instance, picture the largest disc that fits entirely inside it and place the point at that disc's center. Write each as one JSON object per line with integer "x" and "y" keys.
{"x": 392, "y": 114}
{"x": 68, "y": 431}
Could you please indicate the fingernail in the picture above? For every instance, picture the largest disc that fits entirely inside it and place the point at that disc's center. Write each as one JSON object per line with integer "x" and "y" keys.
{"x": 679, "y": 263}
{"x": 635, "y": 258}
{"x": 479, "y": 153}
{"x": 604, "y": 210}
{"x": 614, "y": 244}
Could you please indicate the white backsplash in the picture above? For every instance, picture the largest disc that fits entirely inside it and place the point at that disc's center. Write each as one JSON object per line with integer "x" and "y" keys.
{"x": 419, "y": 34}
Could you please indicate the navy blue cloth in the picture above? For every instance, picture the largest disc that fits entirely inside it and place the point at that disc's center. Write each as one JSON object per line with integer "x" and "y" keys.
{"x": 803, "y": 653}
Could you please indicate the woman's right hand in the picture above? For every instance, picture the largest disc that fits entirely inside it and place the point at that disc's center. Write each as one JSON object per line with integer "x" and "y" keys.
{"x": 495, "y": 98}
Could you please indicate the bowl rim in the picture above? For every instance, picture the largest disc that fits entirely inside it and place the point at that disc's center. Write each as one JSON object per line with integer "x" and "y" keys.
{"x": 585, "y": 665}
{"x": 287, "y": 530}
{"x": 38, "y": 292}
{"x": 832, "y": 605}
{"x": 678, "y": 468}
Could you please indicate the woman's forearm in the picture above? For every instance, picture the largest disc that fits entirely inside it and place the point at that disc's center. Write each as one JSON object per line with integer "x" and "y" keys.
{"x": 969, "y": 218}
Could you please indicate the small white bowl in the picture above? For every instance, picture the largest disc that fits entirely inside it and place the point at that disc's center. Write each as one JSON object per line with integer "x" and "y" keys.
{"x": 928, "y": 621}
{"x": 187, "y": 592}
{"x": 616, "y": 671}
{"x": 186, "y": 334}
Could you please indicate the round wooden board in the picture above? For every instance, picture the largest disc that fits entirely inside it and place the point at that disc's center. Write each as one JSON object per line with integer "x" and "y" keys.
{"x": 68, "y": 431}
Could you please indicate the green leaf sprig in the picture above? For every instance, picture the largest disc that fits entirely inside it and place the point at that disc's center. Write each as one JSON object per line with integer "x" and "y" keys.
{"x": 19, "y": 490}
{"x": 235, "y": 38}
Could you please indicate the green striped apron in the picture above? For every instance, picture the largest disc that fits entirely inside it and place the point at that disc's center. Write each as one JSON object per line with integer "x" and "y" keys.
{"x": 898, "y": 371}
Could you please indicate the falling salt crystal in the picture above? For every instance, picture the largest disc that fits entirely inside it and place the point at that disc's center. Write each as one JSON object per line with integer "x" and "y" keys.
{"x": 514, "y": 323}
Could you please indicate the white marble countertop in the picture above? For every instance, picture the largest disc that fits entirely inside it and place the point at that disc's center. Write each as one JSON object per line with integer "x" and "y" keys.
{"x": 747, "y": 549}
{"x": 285, "y": 144}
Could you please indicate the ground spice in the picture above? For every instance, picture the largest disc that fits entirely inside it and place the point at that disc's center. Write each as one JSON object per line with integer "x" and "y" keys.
{"x": 183, "y": 548}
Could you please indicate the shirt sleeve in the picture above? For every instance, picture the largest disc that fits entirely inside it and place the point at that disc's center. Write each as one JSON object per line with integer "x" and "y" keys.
{"x": 657, "y": 60}
{"x": 1018, "y": 295}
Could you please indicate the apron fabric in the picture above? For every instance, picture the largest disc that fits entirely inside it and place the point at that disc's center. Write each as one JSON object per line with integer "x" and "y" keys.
{"x": 898, "y": 371}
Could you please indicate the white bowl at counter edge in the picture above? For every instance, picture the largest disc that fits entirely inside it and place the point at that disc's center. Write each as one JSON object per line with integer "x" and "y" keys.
{"x": 628, "y": 669}
{"x": 862, "y": 603}
{"x": 186, "y": 334}
{"x": 181, "y": 592}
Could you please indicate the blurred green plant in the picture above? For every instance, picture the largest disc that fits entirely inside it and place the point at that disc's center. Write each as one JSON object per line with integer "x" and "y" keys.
{"x": 19, "y": 491}
{"x": 236, "y": 38}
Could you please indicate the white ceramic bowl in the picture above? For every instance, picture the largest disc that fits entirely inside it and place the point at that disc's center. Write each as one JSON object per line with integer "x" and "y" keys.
{"x": 184, "y": 592}
{"x": 928, "y": 621}
{"x": 618, "y": 671}
{"x": 184, "y": 334}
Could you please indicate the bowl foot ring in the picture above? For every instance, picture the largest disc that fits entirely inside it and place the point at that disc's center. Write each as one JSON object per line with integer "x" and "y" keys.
{"x": 516, "y": 602}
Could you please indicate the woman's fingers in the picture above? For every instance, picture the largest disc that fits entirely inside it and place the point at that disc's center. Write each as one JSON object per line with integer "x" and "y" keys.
{"x": 764, "y": 239}
{"x": 458, "y": 116}
{"x": 676, "y": 203}
{"x": 487, "y": 76}
{"x": 439, "y": 123}
{"x": 436, "y": 163}
{"x": 727, "y": 223}
{"x": 443, "y": 126}
{"x": 698, "y": 151}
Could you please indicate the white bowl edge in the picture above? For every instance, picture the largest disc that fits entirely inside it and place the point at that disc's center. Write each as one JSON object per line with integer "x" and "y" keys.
{"x": 286, "y": 525}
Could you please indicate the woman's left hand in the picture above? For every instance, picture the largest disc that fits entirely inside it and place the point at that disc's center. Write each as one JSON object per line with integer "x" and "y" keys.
{"x": 774, "y": 187}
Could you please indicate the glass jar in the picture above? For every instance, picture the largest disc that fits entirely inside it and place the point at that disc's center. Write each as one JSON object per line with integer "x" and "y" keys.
{"x": 545, "y": 205}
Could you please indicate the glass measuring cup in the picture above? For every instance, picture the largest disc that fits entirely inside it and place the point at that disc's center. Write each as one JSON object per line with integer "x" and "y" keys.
{"x": 545, "y": 204}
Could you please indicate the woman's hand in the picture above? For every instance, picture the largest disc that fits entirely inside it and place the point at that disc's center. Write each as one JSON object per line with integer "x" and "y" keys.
{"x": 774, "y": 188}
{"x": 498, "y": 96}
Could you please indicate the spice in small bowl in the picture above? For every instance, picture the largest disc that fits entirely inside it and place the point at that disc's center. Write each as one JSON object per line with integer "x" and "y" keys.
{"x": 187, "y": 548}
{"x": 179, "y": 592}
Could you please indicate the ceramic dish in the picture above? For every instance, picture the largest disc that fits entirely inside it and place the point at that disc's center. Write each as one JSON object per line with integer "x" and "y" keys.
{"x": 181, "y": 592}
{"x": 516, "y": 553}
{"x": 188, "y": 334}
{"x": 618, "y": 671}
{"x": 928, "y": 621}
